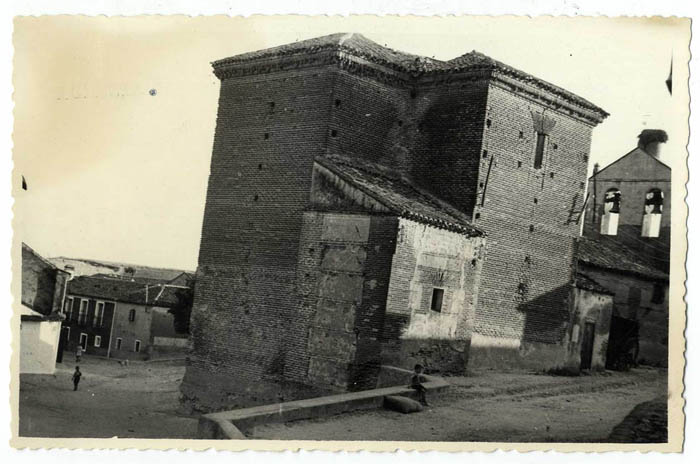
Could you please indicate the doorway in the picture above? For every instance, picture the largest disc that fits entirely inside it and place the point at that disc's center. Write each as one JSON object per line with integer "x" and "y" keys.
{"x": 83, "y": 340}
{"x": 587, "y": 345}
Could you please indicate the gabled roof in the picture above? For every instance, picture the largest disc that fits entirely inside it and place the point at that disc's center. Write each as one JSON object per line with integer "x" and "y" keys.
{"x": 610, "y": 255}
{"x": 127, "y": 291}
{"x": 635, "y": 152}
{"x": 398, "y": 195}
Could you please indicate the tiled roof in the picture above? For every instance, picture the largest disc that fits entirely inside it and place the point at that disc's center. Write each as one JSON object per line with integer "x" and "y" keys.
{"x": 475, "y": 60}
{"x": 607, "y": 254}
{"x": 359, "y": 46}
{"x": 352, "y": 43}
{"x": 398, "y": 194}
{"x": 139, "y": 271}
{"x": 585, "y": 282}
{"x": 126, "y": 291}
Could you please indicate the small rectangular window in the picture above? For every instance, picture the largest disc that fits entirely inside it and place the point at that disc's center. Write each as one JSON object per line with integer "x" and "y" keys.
{"x": 132, "y": 315}
{"x": 137, "y": 346}
{"x": 119, "y": 344}
{"x": 83, "y": 340}
{"x": 98, "y": 341}
{"x": 539, "y": 149}
{"x": 436, "y": 303}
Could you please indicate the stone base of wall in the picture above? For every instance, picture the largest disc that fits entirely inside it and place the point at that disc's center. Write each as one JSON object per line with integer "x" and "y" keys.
{"x": 204, "y": 391}
{"x": 443, "y": 356}
{"x": 504, "y": 353}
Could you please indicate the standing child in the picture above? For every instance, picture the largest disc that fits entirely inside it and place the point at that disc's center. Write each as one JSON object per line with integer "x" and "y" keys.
{"x": 78, "y": 353}
{"x": 417, "y": 383}
{"x": 76, "y": 378}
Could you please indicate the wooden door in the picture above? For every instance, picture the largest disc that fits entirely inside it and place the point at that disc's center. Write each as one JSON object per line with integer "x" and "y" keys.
{"x": 587, "y": 345}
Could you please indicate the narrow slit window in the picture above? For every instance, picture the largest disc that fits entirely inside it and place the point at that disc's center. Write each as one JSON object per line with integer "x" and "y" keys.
{"x": 132, "y": 315}
{"x": 137, "y": 346}
{"x": 539, "y": 150}
{"x": 119, "y": 344}
{"x": 436, "y": 303}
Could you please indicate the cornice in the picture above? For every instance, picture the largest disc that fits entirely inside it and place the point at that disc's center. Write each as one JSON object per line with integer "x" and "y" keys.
{"x": 414, "y": 74}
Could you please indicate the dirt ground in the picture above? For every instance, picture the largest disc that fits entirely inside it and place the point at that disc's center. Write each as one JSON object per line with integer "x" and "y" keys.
{"x": 501, "y": 407}
{"x": 135, "y": 401}
{"x": 142, "y": 400}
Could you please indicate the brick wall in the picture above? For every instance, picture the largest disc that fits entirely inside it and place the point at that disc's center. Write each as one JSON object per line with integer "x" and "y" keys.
{"x": 529, "y": 215}
{"x": 246, "y": 330}
{"x": 269, "y": 128}
{"x": 428, "y": 258}
{"x": 445, "y": 136}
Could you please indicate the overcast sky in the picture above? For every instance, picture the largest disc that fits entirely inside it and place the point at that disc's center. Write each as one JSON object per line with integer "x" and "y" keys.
{"x": 116, "y": 173}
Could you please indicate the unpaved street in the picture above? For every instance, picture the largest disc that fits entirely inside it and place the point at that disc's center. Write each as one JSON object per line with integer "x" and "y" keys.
{"x": 497, "y": 407}
{"x": 141, "y": 401}
{"x": 135, "y": 401}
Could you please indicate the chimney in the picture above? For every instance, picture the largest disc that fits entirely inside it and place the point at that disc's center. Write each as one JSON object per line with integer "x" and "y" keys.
{"x": 70, "y": 269}
{"x": 650, "y": 139}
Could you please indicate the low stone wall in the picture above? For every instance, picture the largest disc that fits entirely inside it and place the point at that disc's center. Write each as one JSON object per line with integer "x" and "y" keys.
{"x": 233, "y": 425}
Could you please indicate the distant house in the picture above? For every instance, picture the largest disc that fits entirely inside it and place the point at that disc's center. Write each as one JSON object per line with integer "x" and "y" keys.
{"x": 639, "y": 324}
{"x": 88, "y": 267}
{"x": 626, "y": 249}
{"x": 123, "y": 318}
{"x": 43, "y": 291}
{"x": 630, "y": 202}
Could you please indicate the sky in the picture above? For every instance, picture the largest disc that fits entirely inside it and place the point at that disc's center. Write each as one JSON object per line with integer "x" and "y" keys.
{"x": 115, "y": 117}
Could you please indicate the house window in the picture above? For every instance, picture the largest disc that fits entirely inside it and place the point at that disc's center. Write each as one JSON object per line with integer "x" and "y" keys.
{"x": 436, "y": 303}
{"x": 132, "y": 315}
{"x": 99, "y": 314}
{"x": 74, "y": 307}
{"x": 137, "y": 346}
{"x": 611, "y": 212}
{"x": 658, "y": 294}
{"x": 83, "y": 312}
{"x": 653, "y": 209}
{"x": 539, "y": 149}
{"x": 68, "y": 310}
{"x": 98, "y": 341}
{"x": 83, "y": 340}
{"x": 119, "y": 344}
{"x": 67, "y": 333}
